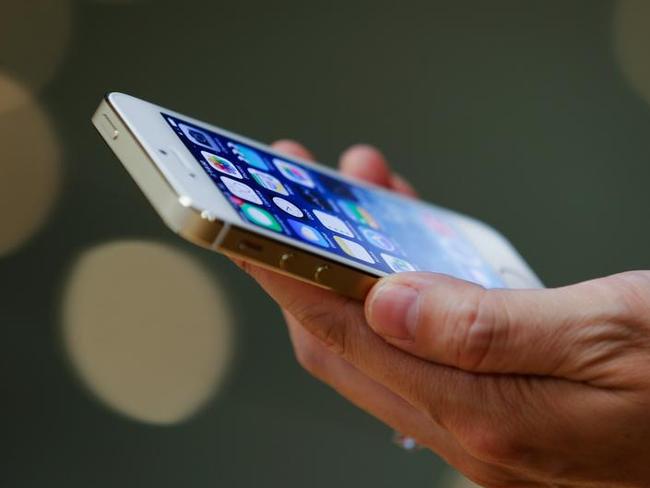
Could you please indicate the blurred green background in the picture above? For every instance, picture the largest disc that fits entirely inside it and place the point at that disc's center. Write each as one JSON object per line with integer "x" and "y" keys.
{"x": 532, "y": 116}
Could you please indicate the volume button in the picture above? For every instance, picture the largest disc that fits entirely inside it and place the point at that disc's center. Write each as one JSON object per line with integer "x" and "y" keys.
{"x": 286, "y": 259}
{"x": 320, "y": 273}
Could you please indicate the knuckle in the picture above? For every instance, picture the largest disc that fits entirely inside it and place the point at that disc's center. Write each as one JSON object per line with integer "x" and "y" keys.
{"x": 311, "y": 358}
{"x": 417, "y": 389}
{"x": 335, "y": 337}
{"x": 327, "y": 325}
{"x": 495, "y": 446}
{"x": 622, "y": 326}
{"x": 479, "y": 331}
{"x": 634, "y": 294}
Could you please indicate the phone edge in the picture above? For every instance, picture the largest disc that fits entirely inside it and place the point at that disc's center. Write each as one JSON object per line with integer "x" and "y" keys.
{"x": 219, "y": 235}
{"x": 183, "y": 220}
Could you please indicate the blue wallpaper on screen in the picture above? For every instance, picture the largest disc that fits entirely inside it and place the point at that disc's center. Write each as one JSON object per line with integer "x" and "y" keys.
{"x": 385, "y": 232}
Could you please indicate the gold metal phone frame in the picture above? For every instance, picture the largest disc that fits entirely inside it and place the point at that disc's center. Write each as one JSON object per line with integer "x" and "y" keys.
{"x": 218, "y": 235}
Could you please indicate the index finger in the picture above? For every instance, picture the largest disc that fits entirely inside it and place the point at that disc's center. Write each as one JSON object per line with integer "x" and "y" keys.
{"x": 367, "y": 163}
{"x": 339, "y": 322}
{"x": 442, "y": 392}
{"x": 293, "y": 148}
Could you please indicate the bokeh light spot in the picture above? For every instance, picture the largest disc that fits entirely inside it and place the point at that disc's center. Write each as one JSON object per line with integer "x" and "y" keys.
{"x": 632, "y": 43}
{"x": 30, "y": 169}
{"x": 149, "y": 332}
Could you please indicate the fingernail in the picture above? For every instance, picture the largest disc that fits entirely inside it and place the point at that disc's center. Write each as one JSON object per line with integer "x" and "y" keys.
{"x": 393, "y": 310}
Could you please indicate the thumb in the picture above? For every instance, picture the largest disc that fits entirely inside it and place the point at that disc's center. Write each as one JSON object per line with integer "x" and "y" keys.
{"x": 460, "y": 324}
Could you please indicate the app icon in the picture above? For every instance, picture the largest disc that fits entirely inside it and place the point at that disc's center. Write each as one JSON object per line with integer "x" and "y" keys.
{"x": 241, "y": 190}
{"x": 248, "y": 155}
{"x": 199, "y": 137}
{"x": 294, "y": 173}
{"x": 354, "y": 249}
{"x": 377, "y": 239}
{"x": 268, "y": 181}
{"x": 397, "y": 264}
{"x": 337, "y": 187}
{"x": 308, "y": 233}
{"x": 332, "y": 222}
{"x": 221, "y": 164}
{"x": 236, "y": 201}
{"x": 314, "y": 198}
{"x": 288, "y": 207}
{"x": 261, "y": 217}
{"x": 358, "y": 213}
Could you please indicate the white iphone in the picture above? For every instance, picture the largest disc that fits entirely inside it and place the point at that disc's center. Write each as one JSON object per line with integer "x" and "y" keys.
{"x": 240, "y": 197}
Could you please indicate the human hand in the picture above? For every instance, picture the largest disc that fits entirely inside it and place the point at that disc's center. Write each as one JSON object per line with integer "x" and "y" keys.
{"x": 514, "y": 388}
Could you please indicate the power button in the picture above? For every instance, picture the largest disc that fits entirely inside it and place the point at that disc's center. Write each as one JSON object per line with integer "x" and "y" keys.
{"x": 286, "y": 259}
{"x": 109, "y": 127}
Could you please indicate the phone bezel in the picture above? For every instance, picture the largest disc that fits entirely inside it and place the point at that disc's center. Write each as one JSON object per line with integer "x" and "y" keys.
{"x": 149, "y": 128}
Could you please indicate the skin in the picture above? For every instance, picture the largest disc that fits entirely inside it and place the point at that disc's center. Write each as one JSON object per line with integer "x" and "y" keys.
{"x": 514, "y": 388}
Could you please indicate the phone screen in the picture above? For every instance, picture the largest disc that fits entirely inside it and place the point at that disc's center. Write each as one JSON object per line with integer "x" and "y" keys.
{"x": 382, "y": 231}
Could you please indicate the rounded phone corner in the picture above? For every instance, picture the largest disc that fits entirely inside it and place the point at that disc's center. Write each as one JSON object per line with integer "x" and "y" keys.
{"x": 499, "y": 253}
{"x": 114, "y": 96}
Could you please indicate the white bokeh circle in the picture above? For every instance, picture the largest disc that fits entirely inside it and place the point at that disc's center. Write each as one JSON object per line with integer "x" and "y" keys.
{"x": 148, "y": 331}
{"x": 632, "y": 43}
{"x": 30, "y": 169}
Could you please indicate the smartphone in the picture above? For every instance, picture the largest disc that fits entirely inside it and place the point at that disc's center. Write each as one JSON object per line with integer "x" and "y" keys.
{"x": 239, "y": 197}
